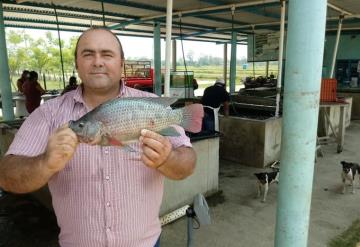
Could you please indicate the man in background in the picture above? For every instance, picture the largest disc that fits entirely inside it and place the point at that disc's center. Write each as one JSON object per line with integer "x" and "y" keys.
{"x": 214, "y": 96}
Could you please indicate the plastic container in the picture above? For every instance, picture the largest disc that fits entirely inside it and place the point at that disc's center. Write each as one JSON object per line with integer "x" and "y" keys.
{"x": 328, "y": 90}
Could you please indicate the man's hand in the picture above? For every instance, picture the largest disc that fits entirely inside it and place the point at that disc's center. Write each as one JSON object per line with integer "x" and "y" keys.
{"x": 156, "y": 148}
{"x": 60, "y": 148}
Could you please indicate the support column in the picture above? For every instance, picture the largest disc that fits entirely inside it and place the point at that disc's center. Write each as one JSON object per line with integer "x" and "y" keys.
{"x": 280, "y": 62}
{"x": 336, "y": 47}
{"x": 174, "y": 55}
{"x": 233, "y": 62}
{"x": 5, "y": 85}
{"x": 157, "y": 59}
{"x": 304, "y": 57}
{"x": 225, "y": 64}
{"x": 169, "y": 9}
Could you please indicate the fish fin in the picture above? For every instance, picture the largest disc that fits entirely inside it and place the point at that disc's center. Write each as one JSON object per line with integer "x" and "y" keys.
{"x": 169, "y": 131}
{"x": 165, "y": 101}
{"x": 114, "y": 142}
{"x": 192, "y": 117}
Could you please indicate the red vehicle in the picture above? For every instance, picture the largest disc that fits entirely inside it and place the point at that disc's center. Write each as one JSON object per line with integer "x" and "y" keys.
{"x": 139, "y": 75}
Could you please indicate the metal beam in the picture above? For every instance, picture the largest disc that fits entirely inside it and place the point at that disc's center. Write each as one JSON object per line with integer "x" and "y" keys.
{"x": 342, "y": 11}
{"x": 199, "y": 11}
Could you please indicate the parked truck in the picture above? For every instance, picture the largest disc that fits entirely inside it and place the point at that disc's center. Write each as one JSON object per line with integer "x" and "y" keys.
{"x": 139, "y": 75}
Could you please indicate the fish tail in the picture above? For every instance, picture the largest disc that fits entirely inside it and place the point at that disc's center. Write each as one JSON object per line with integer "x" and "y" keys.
{"x": 192, "y": 117}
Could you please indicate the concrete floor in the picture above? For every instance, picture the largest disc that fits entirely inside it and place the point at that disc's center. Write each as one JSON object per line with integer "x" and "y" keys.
{"x": 240, "y": 219}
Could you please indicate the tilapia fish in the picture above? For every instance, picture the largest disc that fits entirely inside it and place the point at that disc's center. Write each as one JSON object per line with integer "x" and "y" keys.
{"x": 119, "y": 122}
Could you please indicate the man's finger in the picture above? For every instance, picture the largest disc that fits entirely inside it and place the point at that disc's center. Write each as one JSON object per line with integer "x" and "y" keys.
{"x": 154, "y": 144}
{"x": 150, "y": 153}
{"x": 152, "y": 134}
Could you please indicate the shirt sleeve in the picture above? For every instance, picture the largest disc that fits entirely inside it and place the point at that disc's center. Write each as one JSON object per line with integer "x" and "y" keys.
{"x": 32, "y": 137}
{"x": 182, "y": 140}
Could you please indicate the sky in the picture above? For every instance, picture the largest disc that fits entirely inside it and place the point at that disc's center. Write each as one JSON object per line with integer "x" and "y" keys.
{"x": 143, "y": 47}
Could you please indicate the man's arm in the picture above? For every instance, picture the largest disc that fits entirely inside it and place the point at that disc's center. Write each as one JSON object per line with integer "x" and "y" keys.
{"x": 175, "y": 164}
{"x": 22, "y": 174}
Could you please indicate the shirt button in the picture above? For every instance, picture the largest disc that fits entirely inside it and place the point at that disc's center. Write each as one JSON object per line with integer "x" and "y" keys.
{"x": 107, "y": 177}
{"x": 106, "y": 151}
{"x": 108, "y": 204}
{"x": 108, "y": 229}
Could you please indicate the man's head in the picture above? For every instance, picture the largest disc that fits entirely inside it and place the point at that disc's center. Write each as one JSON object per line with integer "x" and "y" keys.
{"x": 72, "y": 81}
{"x": 99, "y": 59}
{"x": 220, "y": 82}
{"x": 33, "y": 76}
{"x": 25, "y": 74}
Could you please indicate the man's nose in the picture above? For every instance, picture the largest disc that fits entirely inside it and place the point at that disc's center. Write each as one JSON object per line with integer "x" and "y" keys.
{"x": 98, "y": 61}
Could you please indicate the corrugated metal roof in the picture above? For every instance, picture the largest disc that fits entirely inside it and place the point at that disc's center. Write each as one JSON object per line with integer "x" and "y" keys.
{"x": 209, "y": 20}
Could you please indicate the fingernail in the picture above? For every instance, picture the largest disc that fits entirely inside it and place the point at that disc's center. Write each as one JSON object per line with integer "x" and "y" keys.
{"x": 143, "y": 131}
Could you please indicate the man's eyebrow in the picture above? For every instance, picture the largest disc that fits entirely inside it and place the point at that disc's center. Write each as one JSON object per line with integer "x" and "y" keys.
{"x": 87, "y": 50}
{"x": 93, "y": 51}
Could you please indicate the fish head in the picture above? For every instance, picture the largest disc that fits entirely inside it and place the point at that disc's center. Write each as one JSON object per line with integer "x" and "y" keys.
{"x": 88, "y": 131}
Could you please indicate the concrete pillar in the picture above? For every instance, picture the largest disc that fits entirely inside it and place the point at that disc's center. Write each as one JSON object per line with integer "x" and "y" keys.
{"x": 233, "y": 62}
{"x": 157, "y": 59}
{"x": 304, "y": 57}
{"x": 5, "y": 85}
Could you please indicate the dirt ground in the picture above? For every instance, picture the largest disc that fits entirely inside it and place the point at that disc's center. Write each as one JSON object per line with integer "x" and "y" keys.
{"x": 241, "y": 219}
{"x": 238, "y": 217}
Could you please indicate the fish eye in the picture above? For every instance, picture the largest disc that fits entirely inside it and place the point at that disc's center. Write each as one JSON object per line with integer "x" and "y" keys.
{"x": 81, "y": 124}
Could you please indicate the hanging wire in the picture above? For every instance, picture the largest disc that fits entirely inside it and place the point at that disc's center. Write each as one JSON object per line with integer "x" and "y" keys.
{"x": 253, "y": 52}
{"x": 232, "y": 102}
{"x": 188, "y": 83}
{"x": 103, "y": 13}
{"x": 61, "y": 55}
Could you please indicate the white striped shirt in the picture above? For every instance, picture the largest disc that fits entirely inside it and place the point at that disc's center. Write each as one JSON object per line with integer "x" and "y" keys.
{"x": 105, "y": 196}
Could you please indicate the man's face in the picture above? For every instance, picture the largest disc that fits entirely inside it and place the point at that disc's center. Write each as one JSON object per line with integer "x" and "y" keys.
{"x": 99, "y": 61}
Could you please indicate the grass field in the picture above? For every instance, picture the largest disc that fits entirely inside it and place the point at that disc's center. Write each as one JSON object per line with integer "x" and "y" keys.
{"x": 349, "y": 238}
{"x": 205, "y": 75}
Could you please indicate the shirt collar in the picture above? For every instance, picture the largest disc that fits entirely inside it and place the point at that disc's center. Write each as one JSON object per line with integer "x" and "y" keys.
{"x": 78, "y": 96}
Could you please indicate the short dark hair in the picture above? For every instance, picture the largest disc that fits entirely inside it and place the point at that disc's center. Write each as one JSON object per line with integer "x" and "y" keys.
{"x": 33, "y": 75}
{"x": 72, "y": 80}
{"x": 99, "y": 28}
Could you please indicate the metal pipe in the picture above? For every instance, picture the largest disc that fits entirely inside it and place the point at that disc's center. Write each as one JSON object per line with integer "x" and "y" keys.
{"x": 61, "y": 55}
{"x": 157, "y": 59}
{"x": 233, "y": 62}
{"x": 300, "y": 119}
{"x": 280, "y": 62}
{"x": 336, "y": 47}
{"x": 169, "y": 7}
{"x": 225, "y": 64}
{"x": 5, "y": 85}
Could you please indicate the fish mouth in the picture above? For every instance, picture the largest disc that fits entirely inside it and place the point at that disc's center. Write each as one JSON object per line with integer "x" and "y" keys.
{"x": 90, "y": 140}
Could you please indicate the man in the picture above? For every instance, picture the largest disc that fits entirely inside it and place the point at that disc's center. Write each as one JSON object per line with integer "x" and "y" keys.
{"x": 71, "y": 86}
{"x": 32, "y": 91}
{"x": 102, "y": 196}
{"x": 214, "y": 96}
